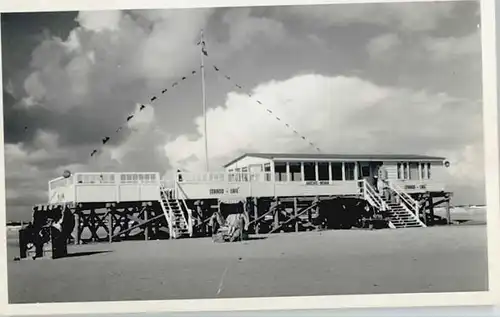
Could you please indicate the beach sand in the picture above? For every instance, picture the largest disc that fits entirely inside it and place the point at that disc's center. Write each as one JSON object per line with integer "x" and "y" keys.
{"x": 438, "y": 259}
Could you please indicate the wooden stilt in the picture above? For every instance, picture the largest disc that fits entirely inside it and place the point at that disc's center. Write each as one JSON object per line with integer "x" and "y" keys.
{"x": 430, "y": 213}
{"x": 448, "y": 213}
{"x": 295, "y": 214}
{"x": 146, "y": 228}
{"x": 78, "y": 233}
{"x": 256, "y": 214}
{"x": 276, "y": 214}
{"x": 110, "y": 224}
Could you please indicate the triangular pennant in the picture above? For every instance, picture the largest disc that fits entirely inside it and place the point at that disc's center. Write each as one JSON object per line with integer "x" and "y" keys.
{"x": 105, "y": 140}
{"x": 153, "y": 99}
{"x": 130, "y": 117}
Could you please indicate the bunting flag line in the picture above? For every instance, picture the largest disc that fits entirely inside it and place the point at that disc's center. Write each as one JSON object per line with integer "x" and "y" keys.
{"x": 152, "y": 100}
{"x": 217, "y": 69}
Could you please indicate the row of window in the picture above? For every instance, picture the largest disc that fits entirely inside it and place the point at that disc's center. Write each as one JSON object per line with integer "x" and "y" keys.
{"x": 405, "y": 170}
{"x": 414, "y": 171}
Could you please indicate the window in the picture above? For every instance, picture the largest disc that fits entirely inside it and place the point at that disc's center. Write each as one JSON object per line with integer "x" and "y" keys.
{"x": 267, "y": 170}
{"x": 365, "y": 171}
{"x": 349, "y": 171}
{"x": 244, "y": 175}
{"x": 280, "y": 172}
{"x": 337, "y": 172}
{"x": 323, "y": 174}
{"x": 309, "y": 171}
{"x": 405, "y": 171}
{"x": 413, "y": 171}
{"x": 428, "y": 170}
{"x": 295, "y": 172}
{"x": 399, "y": 171}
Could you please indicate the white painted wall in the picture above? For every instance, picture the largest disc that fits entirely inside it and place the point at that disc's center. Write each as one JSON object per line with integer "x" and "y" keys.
{"x": 265, "y": 189}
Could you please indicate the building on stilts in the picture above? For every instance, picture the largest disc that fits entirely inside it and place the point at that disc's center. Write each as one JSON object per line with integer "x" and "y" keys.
{"x": 276, "y": 192}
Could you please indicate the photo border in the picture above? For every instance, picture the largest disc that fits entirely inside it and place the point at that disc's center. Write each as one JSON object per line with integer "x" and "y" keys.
{"x": 492, "y": 173}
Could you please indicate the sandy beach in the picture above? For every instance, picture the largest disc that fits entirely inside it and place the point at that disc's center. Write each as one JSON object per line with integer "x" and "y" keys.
{"x": 438, "y": 259}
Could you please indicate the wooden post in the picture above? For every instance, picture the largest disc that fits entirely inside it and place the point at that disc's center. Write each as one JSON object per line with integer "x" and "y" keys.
{"x": 110, "y": 224}
{"x": 429, "y": 216}
{"x": 256, "y": 214}
{"x": 78, "y": 233}
{"x": 276, "y": 214}
{"x": 448, "y": 214}
{"x": 93, "y": 229}
{"x": 146, "y": 228}
{"x": 295, "y": 214}
{"x": 309, "y": 213}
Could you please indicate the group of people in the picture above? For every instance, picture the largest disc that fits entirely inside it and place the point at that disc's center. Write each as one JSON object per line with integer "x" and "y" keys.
{"x": 231, "y": 229}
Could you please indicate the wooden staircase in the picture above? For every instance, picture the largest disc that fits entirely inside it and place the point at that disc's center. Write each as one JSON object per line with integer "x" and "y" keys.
{"x": 401, "y": 217}
{"x": 176, "y": 218}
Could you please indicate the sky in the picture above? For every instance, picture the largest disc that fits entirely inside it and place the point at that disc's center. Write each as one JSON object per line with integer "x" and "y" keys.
{"x": 400, "y": 78}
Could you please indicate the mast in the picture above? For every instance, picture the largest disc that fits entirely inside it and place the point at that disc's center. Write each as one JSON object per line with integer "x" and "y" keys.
{"x": 202, "y": 53}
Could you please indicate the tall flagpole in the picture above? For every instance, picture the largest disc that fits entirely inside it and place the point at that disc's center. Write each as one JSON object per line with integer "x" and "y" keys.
{"x": 202, "y": 53}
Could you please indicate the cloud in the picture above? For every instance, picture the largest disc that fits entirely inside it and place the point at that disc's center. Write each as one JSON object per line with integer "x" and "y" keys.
{"x": 411, "y": 16}
{"x": 341, "y": 115}
{"x": 448, "y": 48}
{"x": 383, "y": 46}
{"x": 98, "y": 21}
{"x": 245, "y": 29}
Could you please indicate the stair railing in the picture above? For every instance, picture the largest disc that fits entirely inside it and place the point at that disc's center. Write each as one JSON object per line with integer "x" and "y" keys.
{"x": 407, "y": 201}
{"x": 189, "y": 220}
{"x": 168, "y": 214}
{"x": 371, "y": 195}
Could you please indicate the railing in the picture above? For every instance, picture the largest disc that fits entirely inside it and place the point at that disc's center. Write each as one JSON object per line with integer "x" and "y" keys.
{"x": 236, "y": 177}
{"x": 371, "y": 195}
{"x": 411, "y": 204}
{"x": 168, "y": 214}
{"x": 106, "y": 179}
{"x": 189, "y": 221}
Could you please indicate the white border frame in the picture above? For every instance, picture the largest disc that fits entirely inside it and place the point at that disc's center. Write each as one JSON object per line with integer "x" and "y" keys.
{"x": 492, "y": 173}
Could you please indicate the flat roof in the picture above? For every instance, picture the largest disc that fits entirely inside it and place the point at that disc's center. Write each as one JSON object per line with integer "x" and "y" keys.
{"x": 350, "y": 157}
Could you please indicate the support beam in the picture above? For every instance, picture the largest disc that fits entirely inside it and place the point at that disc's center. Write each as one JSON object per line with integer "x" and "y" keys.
{"x": 330, "y": 176}
{"x": 431, "y": 212}
{"x": 448, "y": 214}
{"x": 316, "y": 171}
{"x": 295, "y": 213}
{"x": 302, "y": 174}
{"x": 146, "y": 228}
{"x": 256, "y": 214}
{"x": 110, "y": 224}
{"x": 276, "y": 214}
{"x": 288, "y": 176}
